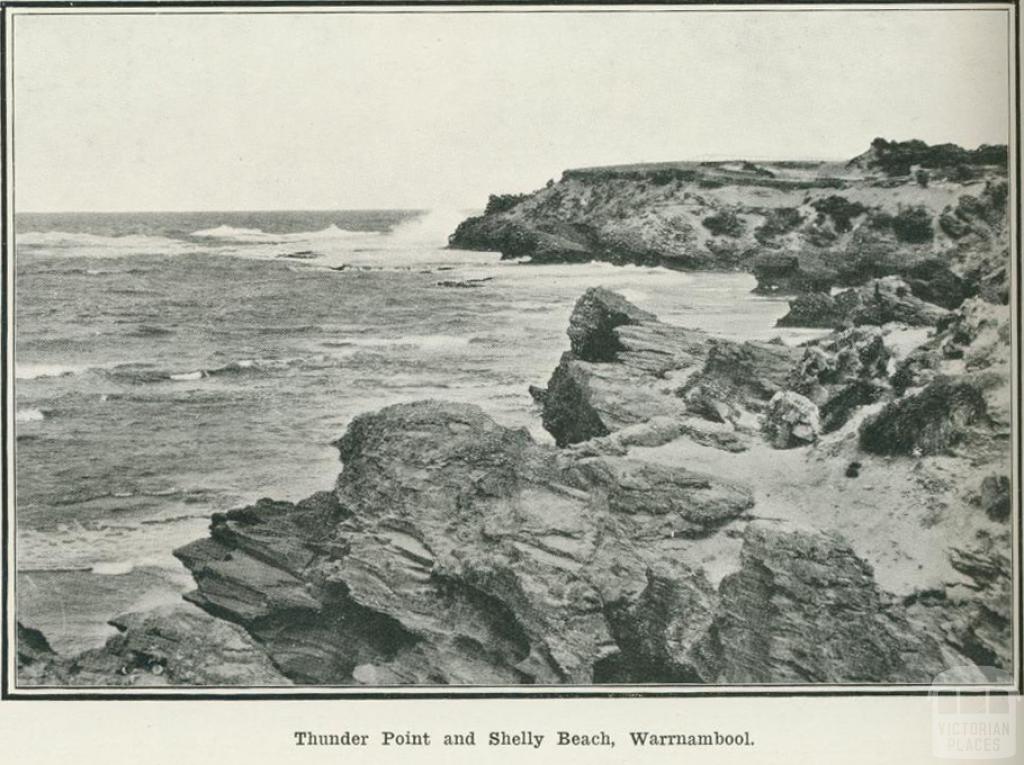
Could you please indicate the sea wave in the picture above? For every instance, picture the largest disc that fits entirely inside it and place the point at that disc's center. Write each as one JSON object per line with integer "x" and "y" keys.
{"x": 424, "y": 342}
{"x": 258, "y": 236}
{"x": 96, "y": 245}
{"x": 29, "y": 371}
{"x": 29, "y": 415}
{"x": 143, "y": 373}
{"x": 111, "y": 547}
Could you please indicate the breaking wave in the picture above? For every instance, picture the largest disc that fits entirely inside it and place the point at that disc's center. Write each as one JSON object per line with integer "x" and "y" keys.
{"x": 258, "y": 236}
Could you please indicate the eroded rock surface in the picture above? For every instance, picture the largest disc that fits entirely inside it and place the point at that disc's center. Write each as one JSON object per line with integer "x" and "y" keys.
{"x": 454, "y": 550}
{"x": 805, "y": 609}
{"x": 175, "y": 645}
{"x": 646, "y": 370}
{"x": 878, "y": 302}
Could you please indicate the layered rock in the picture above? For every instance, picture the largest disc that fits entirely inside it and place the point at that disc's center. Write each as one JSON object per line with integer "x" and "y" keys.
{"x": 805, "y": 609}
{"x": 176, "y": 645}
{"x": 627, "y": 368}
{"x": 454, "y": 550}
{"x": 981, "y": 606}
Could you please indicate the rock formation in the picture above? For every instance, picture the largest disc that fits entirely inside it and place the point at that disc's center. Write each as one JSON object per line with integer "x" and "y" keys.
{"x": 799, "y": 227}
{"x": 880, "y": 301}
{"x": 712, "y": 511}
{"x": 177, "y": 645}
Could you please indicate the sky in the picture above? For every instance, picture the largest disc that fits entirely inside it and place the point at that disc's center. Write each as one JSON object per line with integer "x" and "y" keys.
{"x": 438, "y": 110}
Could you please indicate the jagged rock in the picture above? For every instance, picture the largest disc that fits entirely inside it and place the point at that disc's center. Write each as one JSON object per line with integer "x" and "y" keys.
{"x": 32, "y": 646}
{"x": 676, "y": 501}
{"x": 172, "y": 645}
{"x": 842, "y": 372}
{"x": 37, "y": 663}
{"x": 805, "y": 609}
{"x": 935, "y": 282}
{"x": 928, "y": 422}
{"x": 995, "y": 497}
{"x": 594, "y": 317}
{"x": 791, "y": 420}
{"x": 815, "y": 309}
{"x": 841, "y": 404}
{"x": 454, "y": 550}
{"x": 630, "y": 366}
{"x": 880, "y": 301}
{"x": 978, "y": 614}
{"x": 178, "y": 645}
{"x": 975, "y": 340}
{"x": 779, "y": 274}
{"x": 538, "y": 393}
{"x": 859, "y": 353}
{"x": 743, "y": 376}
{"x": 640, "y": 370}
{"x": 660, "y": 632}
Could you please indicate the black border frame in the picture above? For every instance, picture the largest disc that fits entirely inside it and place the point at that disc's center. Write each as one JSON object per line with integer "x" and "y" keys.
{"x": 8, "y": 692}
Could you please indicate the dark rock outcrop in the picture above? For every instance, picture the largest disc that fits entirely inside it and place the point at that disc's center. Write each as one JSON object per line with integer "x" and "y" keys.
{"x": 994, "y": 497}
{"x": 805, "y": 609}
{"x": 454, "y": 550}
{"x": 627, "y": 368}
{"x": 878, "y": 302}
{"x": 176, "y": 645}
{"x": 843, "y": 372}
{"x": 593, "y": 320}
{"x": 928, "y": 422}
{"x": 979, "y": 611}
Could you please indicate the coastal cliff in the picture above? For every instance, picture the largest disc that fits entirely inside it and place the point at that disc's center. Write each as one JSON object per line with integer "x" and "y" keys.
{"x": 935, "y": 215}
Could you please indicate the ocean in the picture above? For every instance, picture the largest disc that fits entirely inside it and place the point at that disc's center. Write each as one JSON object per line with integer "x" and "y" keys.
{"x": 172, "y": 365}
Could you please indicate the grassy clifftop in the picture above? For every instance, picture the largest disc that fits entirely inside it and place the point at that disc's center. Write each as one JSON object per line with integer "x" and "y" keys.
{"x": 799, "y": 226}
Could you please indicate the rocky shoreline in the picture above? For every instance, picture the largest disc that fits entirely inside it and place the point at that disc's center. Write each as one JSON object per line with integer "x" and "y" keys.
{"x": 935, "y": 216}
{"x": 714, "y": 512}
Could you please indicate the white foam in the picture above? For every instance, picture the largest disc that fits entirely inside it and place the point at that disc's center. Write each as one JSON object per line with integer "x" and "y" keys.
{"x": 426, "y": 342}
{"x": 95, "y": 245}
{"x": 35, "y": 371}
{"x": 258, "y": 236}
{"x": 29, "y": 415}
{"x": 113, "y": 568}
{"x": 197, "y": 375}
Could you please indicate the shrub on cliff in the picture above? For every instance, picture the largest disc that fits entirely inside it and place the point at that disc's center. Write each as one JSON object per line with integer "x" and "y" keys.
{"x": 778, "y": 221}
{"x": 725, "y": 223}
{"x": 926, "y": 423}
{"x": 840, "y": 209}
{"x": 913, "y": 225}
{"x": 898, "y": 157}
{"x": 499, "y": 203}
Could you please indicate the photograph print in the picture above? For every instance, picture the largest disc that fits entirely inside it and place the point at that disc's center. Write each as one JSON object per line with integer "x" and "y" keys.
{"x": 641, "y": 350}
